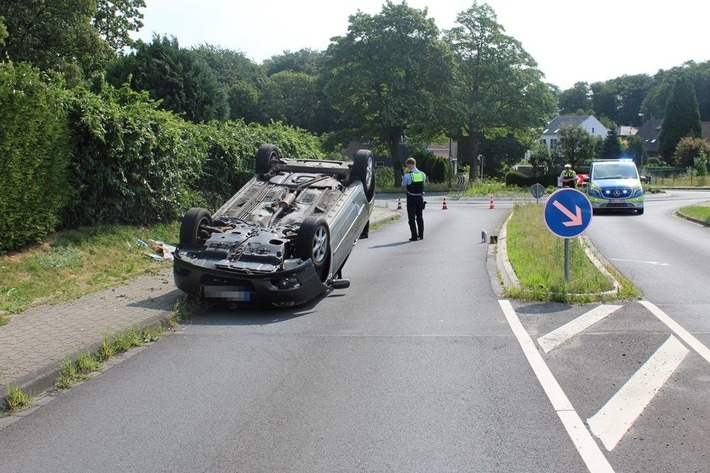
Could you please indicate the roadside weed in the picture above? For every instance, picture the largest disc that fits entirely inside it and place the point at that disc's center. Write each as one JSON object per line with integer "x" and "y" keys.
{"x": 68, "y": 374}
{"x": 127, "y": 339}
{"x": 107, "y": 350}
{"x": 86, "y": 363}
{"x": 16, "y": 398}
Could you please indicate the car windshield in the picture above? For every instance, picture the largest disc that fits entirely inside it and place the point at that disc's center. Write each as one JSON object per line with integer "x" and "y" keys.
{"x": 615, "y": 171}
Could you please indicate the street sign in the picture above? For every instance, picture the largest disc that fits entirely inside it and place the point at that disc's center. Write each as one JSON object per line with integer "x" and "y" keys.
{"x": 537, "y": 190}
{"x": 567, "y": 212}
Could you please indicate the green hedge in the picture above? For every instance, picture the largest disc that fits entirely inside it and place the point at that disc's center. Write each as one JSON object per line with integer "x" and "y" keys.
{"x": 133, "y": 163}
{"x": 231, "y": 148}
{"x": 102, "y": 155}
{"x": 518, "y": 179}
{"x": 34, "y": 153}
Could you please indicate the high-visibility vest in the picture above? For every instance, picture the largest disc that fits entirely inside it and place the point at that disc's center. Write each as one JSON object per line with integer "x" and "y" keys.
{"x": 417, "y": 184}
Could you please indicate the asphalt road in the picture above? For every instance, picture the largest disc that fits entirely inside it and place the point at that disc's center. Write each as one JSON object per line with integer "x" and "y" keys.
{"x": 418, "y": 366}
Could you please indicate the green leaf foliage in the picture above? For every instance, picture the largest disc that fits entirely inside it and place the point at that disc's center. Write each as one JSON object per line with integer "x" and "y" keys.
{"x": 681, "y": 119}
{"x": 34, "y": 153}
{"x": 115, "y": 19}
{"x": 54, "y": 35}
{"x": 179, "y": 78}
{"x": 230, "y": 151}
{"x": 134, "y": 163}
{"x": 388, "y": 74}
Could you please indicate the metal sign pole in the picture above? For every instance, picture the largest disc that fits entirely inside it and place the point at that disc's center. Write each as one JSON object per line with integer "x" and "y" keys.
{"x": 567, "y": 259}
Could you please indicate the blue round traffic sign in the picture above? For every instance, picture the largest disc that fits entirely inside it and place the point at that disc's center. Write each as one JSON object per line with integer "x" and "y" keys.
{"x": 567, "y": 212}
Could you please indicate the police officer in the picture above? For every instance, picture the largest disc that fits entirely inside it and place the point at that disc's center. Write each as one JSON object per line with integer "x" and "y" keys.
{"x": 414, "y": 181}
{"x": 569, "y": 177}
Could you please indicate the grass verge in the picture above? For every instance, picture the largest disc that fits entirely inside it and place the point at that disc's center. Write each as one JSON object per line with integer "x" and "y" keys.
{"x": 699, "y": 213}
{"x": 537, "y": 257}
{"x": 69, "y": 264}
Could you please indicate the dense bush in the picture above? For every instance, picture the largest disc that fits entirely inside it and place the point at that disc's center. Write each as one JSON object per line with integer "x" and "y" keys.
{"x": 436, "y": 168}
{"x": 34, "y": 152}
{"x": 231, "y": 149}
{"x": 134, "y": 163}
{"x": 518, "y": 179}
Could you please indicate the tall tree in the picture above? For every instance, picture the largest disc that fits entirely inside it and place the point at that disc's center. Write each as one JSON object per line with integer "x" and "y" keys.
{"x": 605, "y": 100}
{"x": 54, "y": 35}
{"x": 681, "y": 118}
{"x": 242, "y": 78}
{"x": 499, "y": 91}
{"x": 574, "y": 146}
{"x": 291, "y": 98}
{"x": 576, "y": 99}
{"x": 306, "y": 60}
{"x": 177, "y": 77}
{"x": 654, "y": 104}
{"x": 631, "y": 91}
{"x": 611, "y": 148}
{"x": 387, "y": 75}
{"x": 116, "y": 19}
{"x": 230, "y": 67}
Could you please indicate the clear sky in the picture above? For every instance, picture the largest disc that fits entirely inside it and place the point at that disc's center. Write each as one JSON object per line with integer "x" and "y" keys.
{"x": 571, "y": 41}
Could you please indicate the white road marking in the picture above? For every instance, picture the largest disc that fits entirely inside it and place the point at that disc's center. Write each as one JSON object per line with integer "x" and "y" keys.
{"x": 558, "y": 336}
{"x": 584, "y": 442}
{"x": 684, "y": 335}
{"x": 655, "y": 263}
{"x": 618, "y": 415}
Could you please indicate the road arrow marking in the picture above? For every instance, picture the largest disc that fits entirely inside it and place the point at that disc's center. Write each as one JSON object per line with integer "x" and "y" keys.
{"x": 618, "y": 415}
{"x": 575, "y": 219}
{"x": 558, "y": 336}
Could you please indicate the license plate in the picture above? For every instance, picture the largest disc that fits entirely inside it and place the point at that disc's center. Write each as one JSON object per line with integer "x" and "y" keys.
{"x": 617, "y": 201}
{"x": 229, "y": 293}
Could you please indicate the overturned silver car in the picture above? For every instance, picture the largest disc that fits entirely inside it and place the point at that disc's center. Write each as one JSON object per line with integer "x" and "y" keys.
{"x": 284, "y": 237}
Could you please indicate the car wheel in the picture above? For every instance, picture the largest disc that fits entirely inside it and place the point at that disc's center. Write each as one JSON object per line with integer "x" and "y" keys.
{"x": 639, "y": 211}
{"x": 313, "y": 241}
{"x": 266, "y": 158}
{"x": 364, "y": 171}
{"x": 193, "y": 229}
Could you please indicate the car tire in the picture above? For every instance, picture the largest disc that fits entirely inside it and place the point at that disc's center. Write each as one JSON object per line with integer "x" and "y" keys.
{"x": 192, "y": 228}
{"x": 313, "y": 242}
{"x": 364, "y": 171}
{"x": 266, "y": 158}
{"x": 639, "y": 211}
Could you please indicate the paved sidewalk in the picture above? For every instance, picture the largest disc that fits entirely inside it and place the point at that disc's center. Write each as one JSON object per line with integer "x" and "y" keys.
{"x": 34, "y": 343}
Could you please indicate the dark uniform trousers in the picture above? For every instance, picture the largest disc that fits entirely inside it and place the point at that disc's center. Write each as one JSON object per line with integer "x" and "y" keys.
{"x": 415, "y": 207}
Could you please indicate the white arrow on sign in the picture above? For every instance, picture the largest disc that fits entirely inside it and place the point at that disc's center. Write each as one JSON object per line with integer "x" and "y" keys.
{"x": 576, "y": 220}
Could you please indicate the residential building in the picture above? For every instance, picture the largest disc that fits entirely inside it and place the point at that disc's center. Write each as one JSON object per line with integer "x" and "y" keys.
{"x": 588, "y": 123}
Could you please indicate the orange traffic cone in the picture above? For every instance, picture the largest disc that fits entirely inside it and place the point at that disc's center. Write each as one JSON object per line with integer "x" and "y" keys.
{"x": 444, "y": 207}
{"x": 399, "y": 204}
{"x": 492, "y": 206}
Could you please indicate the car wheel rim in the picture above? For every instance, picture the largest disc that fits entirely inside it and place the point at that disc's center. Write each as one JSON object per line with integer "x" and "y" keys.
{"x": 320, "y": 245}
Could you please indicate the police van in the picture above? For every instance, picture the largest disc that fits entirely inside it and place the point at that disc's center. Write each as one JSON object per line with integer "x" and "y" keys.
{"x": 615, "y": 184}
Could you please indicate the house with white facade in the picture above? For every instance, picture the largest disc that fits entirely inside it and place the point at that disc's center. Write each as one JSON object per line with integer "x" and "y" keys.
{"x": 586, "y": 122}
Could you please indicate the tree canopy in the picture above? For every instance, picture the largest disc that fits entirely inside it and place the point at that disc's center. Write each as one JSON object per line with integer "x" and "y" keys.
{"x": 178, "y": 78}
{"x": 56, "y": 35}
{"x": 388, "y": 75}
{"x": 575, "y": 146}
{"x": 681, "y": 118}
{"x": 498, "y": 89}
{"x": 115, "y": 19}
